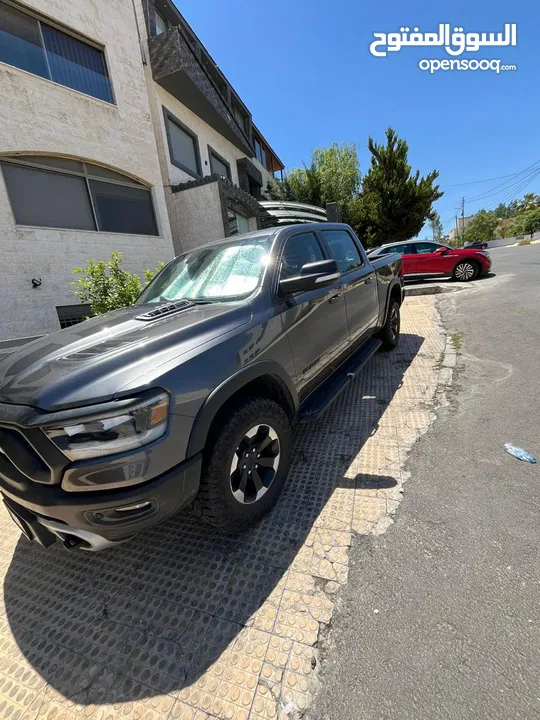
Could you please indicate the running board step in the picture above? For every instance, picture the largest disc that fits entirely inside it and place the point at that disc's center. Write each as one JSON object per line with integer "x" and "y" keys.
{"x": 320, "y": 399}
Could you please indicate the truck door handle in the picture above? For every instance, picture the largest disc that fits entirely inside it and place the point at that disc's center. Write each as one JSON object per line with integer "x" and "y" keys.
{"x": 368, "y": 281}
{"x": 336, "y": 298}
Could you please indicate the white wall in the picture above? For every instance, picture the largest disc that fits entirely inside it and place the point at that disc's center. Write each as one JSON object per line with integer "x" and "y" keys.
{"x": 205, "y": 133}
{"x": 504, "y": 242}
{"x": 39, "y": 116}
{"x": 196, "y": 215}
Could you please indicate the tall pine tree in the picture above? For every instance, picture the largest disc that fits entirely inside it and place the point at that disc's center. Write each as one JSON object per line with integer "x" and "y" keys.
{"x": 389, "y": 204}
{"x": 394, "y": 203}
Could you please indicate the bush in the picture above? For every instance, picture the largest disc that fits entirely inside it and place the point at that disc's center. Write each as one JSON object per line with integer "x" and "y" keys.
{"x": 482, "y": 227}
{"x": 524, "y": 242}
{"x": 106, "y": 286}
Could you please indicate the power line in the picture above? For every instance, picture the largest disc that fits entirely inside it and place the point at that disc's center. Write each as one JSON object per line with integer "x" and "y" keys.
{"x": 500, "y": 177}
{"x": 511, "y": 193}
{"x": 447, "y": 224}
{"x": 516, "y": 191}
{"x": 528, "y": 172}
{"x": 475, "y": 182}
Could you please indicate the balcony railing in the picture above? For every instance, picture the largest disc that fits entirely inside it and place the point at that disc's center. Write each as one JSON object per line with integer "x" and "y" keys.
{"x": 177, "y": 69}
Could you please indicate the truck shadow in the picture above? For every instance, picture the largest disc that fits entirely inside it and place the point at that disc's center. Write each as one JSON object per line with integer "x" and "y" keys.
{"x": 151, "y": 616}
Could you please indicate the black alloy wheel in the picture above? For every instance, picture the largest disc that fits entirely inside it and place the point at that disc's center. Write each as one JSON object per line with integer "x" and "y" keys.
{"x": 255, "y": 464}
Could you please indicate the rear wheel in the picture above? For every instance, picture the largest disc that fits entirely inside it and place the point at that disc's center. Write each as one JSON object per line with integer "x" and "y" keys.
{"x": 465, "y": 271}
{"x": 390, "y": 332}
{"x": 245, "y": 464}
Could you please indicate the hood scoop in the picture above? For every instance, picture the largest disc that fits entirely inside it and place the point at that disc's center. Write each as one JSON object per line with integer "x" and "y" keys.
{"x": 102, "y": 348}
{"x": 163, "y": 310}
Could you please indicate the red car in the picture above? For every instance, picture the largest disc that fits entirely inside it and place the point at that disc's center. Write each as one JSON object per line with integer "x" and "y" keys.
{"x": 423, "y": 259}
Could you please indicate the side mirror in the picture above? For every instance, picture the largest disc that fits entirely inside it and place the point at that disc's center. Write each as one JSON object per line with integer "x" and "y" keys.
{"x": 441, "y": 250}
{"x": 312, "y": 276}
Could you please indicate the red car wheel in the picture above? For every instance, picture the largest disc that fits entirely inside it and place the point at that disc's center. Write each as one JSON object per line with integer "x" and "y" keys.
{"x": 465, "y": 271}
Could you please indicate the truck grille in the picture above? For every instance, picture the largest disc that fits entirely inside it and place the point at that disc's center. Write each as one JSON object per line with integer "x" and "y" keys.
{"x": 19, "y": 461}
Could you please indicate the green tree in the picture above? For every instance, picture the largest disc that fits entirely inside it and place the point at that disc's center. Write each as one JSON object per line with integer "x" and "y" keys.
{"x": 332, "y": 176}
{"x": 505, "y": 229}
{"x": 532, "y": 222}
{"x": 502, "y": 211}
{"x": 390, "y": 203}
{"x": 526, "y": 223}
{"x": 394, "y": 202}
{"x": 107, "y": 286}
{"x": 436, "y": 226}
{"x": 482, "y": 227}
{"x": 529, "y": 201}
{"x": 517, "y": 226}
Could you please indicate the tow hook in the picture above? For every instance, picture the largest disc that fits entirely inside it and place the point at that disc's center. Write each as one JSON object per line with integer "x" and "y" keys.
{"x": 72, "y": 543}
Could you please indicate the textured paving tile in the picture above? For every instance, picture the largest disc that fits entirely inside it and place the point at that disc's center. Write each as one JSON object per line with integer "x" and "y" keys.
{"x": 183, "y": 623}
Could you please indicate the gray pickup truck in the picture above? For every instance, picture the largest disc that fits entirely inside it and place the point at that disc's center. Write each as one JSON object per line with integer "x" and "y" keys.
{"x": 113, "y": 425}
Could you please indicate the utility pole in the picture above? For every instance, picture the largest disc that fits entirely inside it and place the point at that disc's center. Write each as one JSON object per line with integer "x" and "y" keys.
{"x": 459, "y": 230}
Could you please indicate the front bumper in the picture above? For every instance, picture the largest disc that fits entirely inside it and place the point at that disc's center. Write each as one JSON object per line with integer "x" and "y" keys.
{"x": 103, "y": 518}
{"x": 100, "y": 500}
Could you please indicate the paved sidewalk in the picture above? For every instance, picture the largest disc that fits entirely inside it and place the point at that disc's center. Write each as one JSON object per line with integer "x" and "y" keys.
{"x": 185, "y": 623}
{"x": 439, "y": 619}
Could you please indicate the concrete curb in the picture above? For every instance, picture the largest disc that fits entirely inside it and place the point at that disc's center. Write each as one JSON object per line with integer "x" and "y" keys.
{"x": 517, "y": 244}
{"x": 415, "y": 290}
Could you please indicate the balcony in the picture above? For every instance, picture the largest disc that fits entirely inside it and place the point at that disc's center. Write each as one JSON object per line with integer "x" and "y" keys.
{"x": 176, "y": 67}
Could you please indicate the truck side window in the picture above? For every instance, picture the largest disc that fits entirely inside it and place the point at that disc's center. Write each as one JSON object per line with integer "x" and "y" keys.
{"x": 299, "y": 250}
{"x": 343, "y": 249}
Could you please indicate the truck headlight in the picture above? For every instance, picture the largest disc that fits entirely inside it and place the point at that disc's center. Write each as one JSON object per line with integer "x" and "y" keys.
{"x": 113, "y": 432}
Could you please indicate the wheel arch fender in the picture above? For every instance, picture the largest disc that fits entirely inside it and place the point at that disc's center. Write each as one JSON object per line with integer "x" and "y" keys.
{"x": 264, "y": 371}
{"x": 395, "y": 291}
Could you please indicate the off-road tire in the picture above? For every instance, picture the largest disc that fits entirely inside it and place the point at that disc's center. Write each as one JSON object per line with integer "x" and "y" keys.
{"x": 215, "y": 501}
{"x": 389, "y": 334}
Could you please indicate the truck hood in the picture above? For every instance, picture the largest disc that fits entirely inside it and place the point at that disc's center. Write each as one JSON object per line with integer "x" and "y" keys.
{"x": 90, "y": 362}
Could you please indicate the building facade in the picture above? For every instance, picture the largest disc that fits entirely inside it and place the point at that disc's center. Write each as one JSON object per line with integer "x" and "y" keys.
{"x": 80, "y": 174}
{"x": 118, "y": 132}
{"x": 461, "y": 224}
{"x": 216, "y": 165}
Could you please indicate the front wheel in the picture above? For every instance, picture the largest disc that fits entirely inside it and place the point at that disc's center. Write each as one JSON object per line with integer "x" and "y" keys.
{"x": 389, "y": 334}
{"x": 245, "y": 464}
{"x": 465, "y": 271}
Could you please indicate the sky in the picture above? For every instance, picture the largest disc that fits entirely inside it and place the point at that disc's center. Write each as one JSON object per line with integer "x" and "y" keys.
{"x": 304, "y": 69}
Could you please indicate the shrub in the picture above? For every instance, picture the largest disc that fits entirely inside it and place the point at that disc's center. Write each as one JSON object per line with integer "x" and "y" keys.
{"x": 106, "y": 286}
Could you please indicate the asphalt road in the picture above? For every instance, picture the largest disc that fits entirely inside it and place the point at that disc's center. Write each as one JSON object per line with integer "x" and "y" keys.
{"x": 441, "y": 615}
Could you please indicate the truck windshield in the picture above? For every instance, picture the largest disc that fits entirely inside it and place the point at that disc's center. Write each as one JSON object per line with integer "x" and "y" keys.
{"x": 224, "y": 272}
